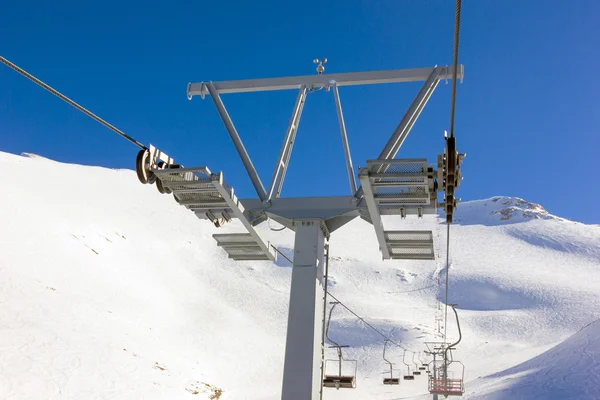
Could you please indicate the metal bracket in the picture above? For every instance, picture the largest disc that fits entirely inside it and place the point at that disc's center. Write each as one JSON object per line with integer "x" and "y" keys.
{"x": 369, "y": 196}
{"x": 156, "y": 154}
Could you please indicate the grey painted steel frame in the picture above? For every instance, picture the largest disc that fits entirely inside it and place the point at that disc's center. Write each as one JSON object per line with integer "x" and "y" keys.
{"x": 334, "y": 210}
{"x": 324, "y": 80}
{"x": 301, "y": 372}
{"x": 286, "y": 148}
{"x": 432, "y": 76}
{"x": 301, "y": 369}
{"x": 237, "y": 141}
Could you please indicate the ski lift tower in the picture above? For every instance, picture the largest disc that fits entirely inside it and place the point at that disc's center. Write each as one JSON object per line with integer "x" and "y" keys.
{"x": 388, "y": 186}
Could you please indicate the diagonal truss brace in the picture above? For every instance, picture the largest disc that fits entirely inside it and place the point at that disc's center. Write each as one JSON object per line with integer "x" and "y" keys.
{"x": 338, "y": 105}
{"x": 412, "y": 114}
{"x": 237, "y": 141}
{"x": 373, "y": 207}
{"x": 286, "y": 149}
{"x": 410, "y": 117}
{"x": 238, "y": 210}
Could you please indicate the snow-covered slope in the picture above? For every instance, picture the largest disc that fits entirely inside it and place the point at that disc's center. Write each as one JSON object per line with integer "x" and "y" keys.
{"x": 111, "y": 290}
{"x": 571, "y": 370}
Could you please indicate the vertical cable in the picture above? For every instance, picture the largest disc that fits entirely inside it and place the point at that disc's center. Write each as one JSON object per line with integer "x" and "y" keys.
{"x": 452, "y": 112}
{"x": 447, "y": 274}
{"x": 455, "y": 63}
{"x": 324, "y": 317}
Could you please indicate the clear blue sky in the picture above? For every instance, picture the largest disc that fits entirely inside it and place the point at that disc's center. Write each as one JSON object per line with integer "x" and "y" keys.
{"x": 528, "y": 112}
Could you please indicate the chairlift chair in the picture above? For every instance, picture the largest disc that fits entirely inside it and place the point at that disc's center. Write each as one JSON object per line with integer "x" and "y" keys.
{"x": 446, "y": 383}
{"x": 338, "y": 381}
{"x": 423, "y": 365}
{"x": 416, "y": 371}
{"x": 423, "y": 358}
{"x": 408, "y": 376}
{"x": 391, "y": 380}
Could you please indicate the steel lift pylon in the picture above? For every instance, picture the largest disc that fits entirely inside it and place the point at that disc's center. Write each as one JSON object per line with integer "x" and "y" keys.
{"x": 388, "y": 186}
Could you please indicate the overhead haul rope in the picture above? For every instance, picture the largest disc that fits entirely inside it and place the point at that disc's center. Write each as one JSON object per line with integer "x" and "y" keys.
{"x": 438, "y": 306}
{"x": 283, "y": 255}
{"x": 414, "y": 290}
{"x": 447, "y": 273}
{"x": 71, "y": 102}
{"x": 452, "y": 113}
{"x": 369, "y": 325}
{"x": 350, "y": 310}
{"x": 455, "y": 57}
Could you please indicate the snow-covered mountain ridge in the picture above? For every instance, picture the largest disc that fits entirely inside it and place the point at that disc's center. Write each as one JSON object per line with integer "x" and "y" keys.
{"x": 110, "y": 290}
{"x": 505, "y": 210}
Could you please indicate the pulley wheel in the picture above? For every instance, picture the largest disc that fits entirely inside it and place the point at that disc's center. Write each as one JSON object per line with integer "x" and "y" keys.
{"x": 159, "y": 186}
{"x": 451, "y": 147}
{"x": 142, "y": 167}
{"x": 450, "y": 177}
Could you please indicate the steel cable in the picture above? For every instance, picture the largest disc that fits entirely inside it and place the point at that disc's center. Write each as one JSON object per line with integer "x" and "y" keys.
{"x": 455, "y": 63}
{"x": 71, "y": 102}
{"x": 452, "y": 113}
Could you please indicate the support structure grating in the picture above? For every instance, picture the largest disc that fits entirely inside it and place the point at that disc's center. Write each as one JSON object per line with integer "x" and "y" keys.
{"x": 410, "y": 245}
{"x": 209, "y": 197}
{"x": 393, "y": 187}
{"x": 240, "y": 246}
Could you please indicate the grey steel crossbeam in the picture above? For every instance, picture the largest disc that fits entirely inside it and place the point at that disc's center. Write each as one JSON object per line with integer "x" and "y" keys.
{"x": 340, "y": 114}
{"x": 373, "y": 207}
{"x": 286, "y": 148}
{"x": 237, "y": 141}
{"x": 324, "y": 80}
